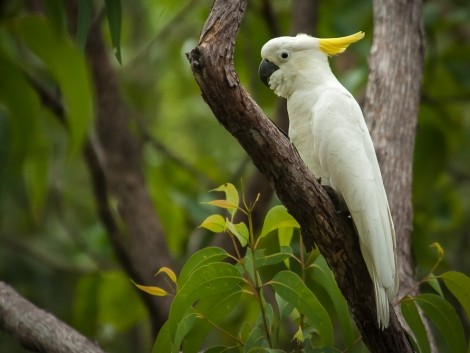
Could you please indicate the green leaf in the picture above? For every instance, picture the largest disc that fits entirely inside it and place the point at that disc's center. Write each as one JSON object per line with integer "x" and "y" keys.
{"x": 248, "y": 262}
{"x": 285, "y": 235}
{"x": 285, "y": 308}
{"x": 214, "y": 309}
{"x": 231, "y": 196}
{"x": 290, "y": 287}
{"x": 198, "y": 259}
{"x": 85, "y": 16}
{"x": 240, "y": 231}
{"x": 272, "y": 259}
{"x": 299, "y": 335}
{"x": 268, "y": 315}
{"x": 256, "y": 340}
{"x": 412, "y": 317}
{"x": 113, "y": 12}
{"x": 312, "y": 257}
{"x": 265, "y": 350}
{"x": 443, "y": 315}
{"x": 276, "y": 218}
{"x": 434, "y": 283}
{"x": 207, "y": 280}
{"x": 183, "y": 328}
{"x": 228, "y": 205}
{"x": 169, "y": 272}
{"x": 215, "y": 223}
{"x": 254, "y": 335}
{"x": 163, "y": 342}
{"x": 459, "y": 285}
{"x": 324, "y": 277}
{"x": 152, "y": 290}
{"x": 68, "y": 66}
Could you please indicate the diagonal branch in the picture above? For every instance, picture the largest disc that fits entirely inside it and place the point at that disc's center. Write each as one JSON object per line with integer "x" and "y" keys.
{"x": 38, "y": 330}
{"x": 276, "y": 158}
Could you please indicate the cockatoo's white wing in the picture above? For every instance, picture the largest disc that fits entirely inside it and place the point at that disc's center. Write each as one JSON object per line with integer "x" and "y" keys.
{"x": 344, "y": 149}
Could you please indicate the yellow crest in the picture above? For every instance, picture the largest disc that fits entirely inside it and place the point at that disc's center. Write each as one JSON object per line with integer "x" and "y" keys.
{"x": 334, "y": 46}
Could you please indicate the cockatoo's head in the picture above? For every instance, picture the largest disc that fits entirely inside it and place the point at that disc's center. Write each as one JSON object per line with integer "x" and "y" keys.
{"x": 286, "y": 59}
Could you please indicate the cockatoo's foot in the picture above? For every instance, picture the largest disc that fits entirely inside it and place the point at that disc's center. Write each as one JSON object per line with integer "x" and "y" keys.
{"x": 338, "y": 201}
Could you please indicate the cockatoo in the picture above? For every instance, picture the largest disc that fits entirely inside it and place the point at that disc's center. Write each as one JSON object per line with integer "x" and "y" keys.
{"x": 327, "y": 127}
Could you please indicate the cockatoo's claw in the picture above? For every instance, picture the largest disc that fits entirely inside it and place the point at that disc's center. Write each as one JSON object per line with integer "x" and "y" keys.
{"x": 340, "y": 206}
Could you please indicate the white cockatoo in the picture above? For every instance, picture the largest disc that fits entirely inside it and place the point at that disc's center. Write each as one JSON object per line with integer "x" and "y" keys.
{"x": 327, "y": 127}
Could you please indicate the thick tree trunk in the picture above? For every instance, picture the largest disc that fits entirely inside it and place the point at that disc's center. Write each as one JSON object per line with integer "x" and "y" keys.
{"x": 391, "y": 111}
{"x": 38, "y": 330}
{"x": 275, "y": 157}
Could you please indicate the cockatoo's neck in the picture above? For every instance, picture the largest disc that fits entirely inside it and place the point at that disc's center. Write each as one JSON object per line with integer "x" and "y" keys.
{"x": 319, "y": 75}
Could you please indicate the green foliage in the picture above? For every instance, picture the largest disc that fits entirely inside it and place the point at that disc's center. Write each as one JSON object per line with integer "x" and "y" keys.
{"x": 59, "y": 55}
{"x": 293, "y": 290}
{"x": 443, "y": 315}
{"x": 210, "y": 291}
{"x": 438, "y": 309}
{"x": 411, "y": 315}
{"x": 459, "y": 285}
{"x": 441, "y": 170}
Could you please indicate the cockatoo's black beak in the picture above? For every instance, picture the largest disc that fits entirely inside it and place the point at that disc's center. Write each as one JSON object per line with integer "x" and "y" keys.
{"x": 266, "y": 69}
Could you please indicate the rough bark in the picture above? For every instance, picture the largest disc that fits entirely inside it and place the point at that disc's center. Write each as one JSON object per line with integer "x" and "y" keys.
{"x": 38, "y": 330}
{"x": 391, "y": 110}
{"x": 275, "y": 157}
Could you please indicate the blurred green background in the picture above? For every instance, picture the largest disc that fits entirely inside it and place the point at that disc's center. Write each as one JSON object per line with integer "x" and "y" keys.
{"x": 53, "y": 248}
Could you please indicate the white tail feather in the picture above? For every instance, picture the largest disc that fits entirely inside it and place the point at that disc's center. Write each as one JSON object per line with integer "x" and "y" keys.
{"x": 382, "y": 305}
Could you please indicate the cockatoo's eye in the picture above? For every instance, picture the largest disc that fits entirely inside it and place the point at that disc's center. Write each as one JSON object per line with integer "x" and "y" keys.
{"x": 284, "y": 55}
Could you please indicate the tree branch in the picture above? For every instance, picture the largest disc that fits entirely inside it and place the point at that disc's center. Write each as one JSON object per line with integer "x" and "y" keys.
{"x": 38, "y": 330}
{"x": 277, "y": 159}
{"x": 114, "y": 160}
{"x": 303, "y": 21}
{"x": 157, "y": 308}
